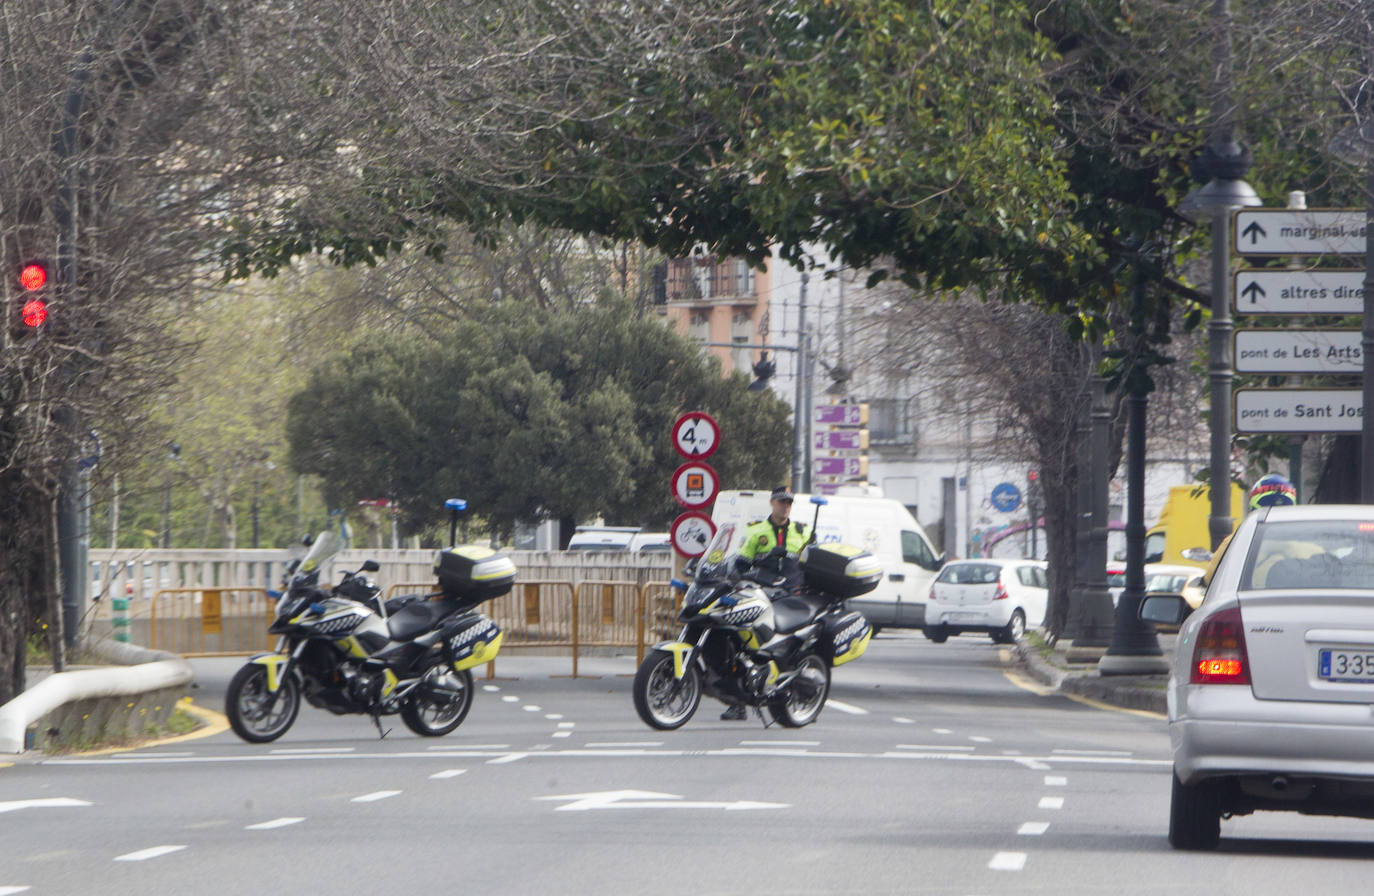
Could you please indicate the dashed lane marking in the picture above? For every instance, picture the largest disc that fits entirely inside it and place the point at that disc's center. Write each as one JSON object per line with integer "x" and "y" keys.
{"x": 1033, "y": 828}
{"x": 10, "y": 891}
{"x": 375, "y": 796}
{"x": 448, "y": 773}
{"x": 274, "y": 823}
{"x": 1051, "y": 802}
{"x": 847, "y": 707}
{"x": 151, "y": 852}
{"x": 1008, "y": 861}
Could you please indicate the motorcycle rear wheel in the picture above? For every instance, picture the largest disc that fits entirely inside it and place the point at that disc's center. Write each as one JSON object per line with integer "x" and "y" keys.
{"x": 662, "y": 700}
{"x": 804, "y": 697}
{"x": 252, "y": 713}
{"x": 433, "y": 711}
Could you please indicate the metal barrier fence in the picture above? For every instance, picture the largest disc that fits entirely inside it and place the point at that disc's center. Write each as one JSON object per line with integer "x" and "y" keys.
{"x": 209, "y": 621}
{"x": 594, "y": 614}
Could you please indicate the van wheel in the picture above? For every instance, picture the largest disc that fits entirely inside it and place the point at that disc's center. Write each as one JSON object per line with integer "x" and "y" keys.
{"x": 936, "y": 634}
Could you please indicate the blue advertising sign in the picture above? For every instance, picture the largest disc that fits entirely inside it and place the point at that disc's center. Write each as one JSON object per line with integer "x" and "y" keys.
{"x": 1006, "y": 497}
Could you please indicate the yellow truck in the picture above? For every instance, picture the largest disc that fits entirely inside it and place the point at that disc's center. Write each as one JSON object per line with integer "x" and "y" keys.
{"x": 1183, "y": 524}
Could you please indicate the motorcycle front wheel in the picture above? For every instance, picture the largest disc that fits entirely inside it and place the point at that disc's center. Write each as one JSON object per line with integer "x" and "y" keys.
{"x": 662, "y": 700}
{"x": 253, "y": 712}
{"x": 804, "y": 697}
{"x": 441, "y": 701}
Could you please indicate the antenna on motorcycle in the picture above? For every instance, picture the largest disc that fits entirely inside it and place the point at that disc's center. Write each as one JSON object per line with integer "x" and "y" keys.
{"x": 819, "y": 501}
{"x": 455, "y": 506}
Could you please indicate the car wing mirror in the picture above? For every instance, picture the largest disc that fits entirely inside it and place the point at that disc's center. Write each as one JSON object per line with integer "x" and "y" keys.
{"x": 1164, "y": 609}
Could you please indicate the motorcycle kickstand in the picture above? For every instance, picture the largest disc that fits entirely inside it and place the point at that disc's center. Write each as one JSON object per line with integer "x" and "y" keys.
{"x": 377, "y": 720}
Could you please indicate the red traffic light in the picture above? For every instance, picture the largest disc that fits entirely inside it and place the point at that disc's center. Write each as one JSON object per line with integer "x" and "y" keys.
{"x": 34, "y": 312}
{"x": 33, "y": 276}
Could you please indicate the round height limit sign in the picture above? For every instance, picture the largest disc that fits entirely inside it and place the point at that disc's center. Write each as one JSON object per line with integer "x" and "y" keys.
{"x": 695, "y": 484}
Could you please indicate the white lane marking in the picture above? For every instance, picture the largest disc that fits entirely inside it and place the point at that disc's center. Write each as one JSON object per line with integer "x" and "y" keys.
{"x": 151, "y": 853}
{"x": 847, "y": 707}
{"x": 508, "y": 758}
{"x": 627, "y": 743}
{"x": 1033, "y": 828}
{"x": 903, "y": 721}
{"x": 448, "y": 773}
{"x": 562, "y": 734}
{"x": 510, "y": 699}
{"x": 1008, "y": 861}
{"x": 647, "y": 799}
{"x": 167, "y": 753}
{"x": 291, "y": 751}
{"x": 451, "y": 747}
{"x": 459, "y": 753}
{"x": 530, "y": 708}
{"x": 1034, "y": 765}
{"x": 940, "y": 747}
{"x": 553, "y": 716}
{"x": 490, "y": 688}
{"x": 274, "y": 824}
{"x": 941, "y": 731}
{"x": 779, "y": 743}
{"x": 375, "y": 795}
{"x": 567, "y": 724}
{"x": 10, "y": 891}
{"x": 1056, "y": 781}
{"x": 53, "y": 802}
{"x": 1051, "y": 802}
{"x": 980, "y": 739}
{"x": 1091, "y": 752}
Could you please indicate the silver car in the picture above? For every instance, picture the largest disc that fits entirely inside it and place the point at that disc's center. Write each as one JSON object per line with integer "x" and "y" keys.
{"x": 1271, "y": 691}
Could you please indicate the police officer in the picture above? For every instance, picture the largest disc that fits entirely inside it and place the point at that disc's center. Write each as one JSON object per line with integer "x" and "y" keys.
{"x": 773, "y": 544}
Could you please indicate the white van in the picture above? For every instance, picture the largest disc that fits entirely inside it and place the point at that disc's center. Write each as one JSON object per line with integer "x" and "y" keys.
{"x": 617, "y": 538}
{"x": 881, "y": 526}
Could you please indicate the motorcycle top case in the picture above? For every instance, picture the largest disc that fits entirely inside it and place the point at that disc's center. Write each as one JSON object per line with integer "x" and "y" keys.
{"x": 471, "y": 572}
{"x": 844, "y": 637}
{"x": 840, "y": 569}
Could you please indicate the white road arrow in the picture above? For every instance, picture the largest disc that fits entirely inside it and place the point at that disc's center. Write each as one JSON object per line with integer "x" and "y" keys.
{"x": 57, "y": 802}
{"x": 647, "y": 799}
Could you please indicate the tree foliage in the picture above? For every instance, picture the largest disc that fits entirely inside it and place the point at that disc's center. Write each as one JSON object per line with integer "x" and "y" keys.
{"x": 528, "y": 417}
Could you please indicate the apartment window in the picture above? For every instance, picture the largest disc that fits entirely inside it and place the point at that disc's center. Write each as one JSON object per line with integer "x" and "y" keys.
{"x": 889, "y": 420}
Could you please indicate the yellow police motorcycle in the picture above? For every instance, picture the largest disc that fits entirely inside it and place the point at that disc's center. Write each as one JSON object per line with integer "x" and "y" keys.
{"x": 343, "y": 650}
{"x": 746, "y": 641}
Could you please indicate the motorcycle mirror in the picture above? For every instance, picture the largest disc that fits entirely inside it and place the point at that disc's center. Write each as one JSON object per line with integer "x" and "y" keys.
{"x": 371, "y": 566}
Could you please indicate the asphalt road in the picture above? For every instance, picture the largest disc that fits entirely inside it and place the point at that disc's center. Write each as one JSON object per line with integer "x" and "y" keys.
{"x": 935, "y": 769}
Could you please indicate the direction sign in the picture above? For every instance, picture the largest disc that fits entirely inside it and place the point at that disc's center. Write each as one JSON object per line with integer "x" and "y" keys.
{"x": 1279, "y": 291}
{"x": 1299, "y": 231}
{"x": 841, "y": 440}
{"x": 695, "y": 484}
{"x": 842, "y": 414}
{"x": 1006, "y": 497}
{"x": 1298, "y": 351}
{"x": 696, "y": 435}
{"x": 1298, "y": 410}
{"x": 840, "y": 466}
{"x": 691, "y": 533}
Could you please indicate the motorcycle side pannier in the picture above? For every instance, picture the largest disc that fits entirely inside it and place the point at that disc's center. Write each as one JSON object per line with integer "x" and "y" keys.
{"x": 840, "y": 569}
{"x": 844, "y": 637}
{"x": 473, "y": 573}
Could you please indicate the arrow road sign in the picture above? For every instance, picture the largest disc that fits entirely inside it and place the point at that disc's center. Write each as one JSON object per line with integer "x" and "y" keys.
{"x": 1278, "y": 291}
{"x": 1298, "y": 351}
{"x": 1292, "y": 231}
{"x": 647, "y": 799}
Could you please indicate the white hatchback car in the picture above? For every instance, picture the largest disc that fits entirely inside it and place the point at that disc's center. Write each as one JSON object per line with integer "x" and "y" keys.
{"x": 1273, "y": 678}
{"x": 997, "y": 597}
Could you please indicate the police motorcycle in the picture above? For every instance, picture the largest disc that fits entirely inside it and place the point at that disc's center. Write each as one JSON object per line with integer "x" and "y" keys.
{"x": 347, "y": 651}
{"x": 745, "y": 640}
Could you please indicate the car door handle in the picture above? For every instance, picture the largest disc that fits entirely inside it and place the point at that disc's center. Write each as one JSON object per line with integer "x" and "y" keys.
{"x": 897, "y": 577}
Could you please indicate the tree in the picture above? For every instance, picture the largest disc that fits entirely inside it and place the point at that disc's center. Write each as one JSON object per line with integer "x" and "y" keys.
{"x": 565, "y": 415}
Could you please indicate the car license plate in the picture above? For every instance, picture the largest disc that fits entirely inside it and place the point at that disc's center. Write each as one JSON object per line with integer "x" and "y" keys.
{"x": 1345, "y": 665}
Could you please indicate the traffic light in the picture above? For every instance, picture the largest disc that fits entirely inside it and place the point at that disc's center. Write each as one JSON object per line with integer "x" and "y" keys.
{"x": 33, "y": 299}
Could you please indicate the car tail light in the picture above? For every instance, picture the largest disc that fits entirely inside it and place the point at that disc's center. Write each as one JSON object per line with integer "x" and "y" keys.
{"x": 1001, "y": 593}
{"x": 1220, "y": 657}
